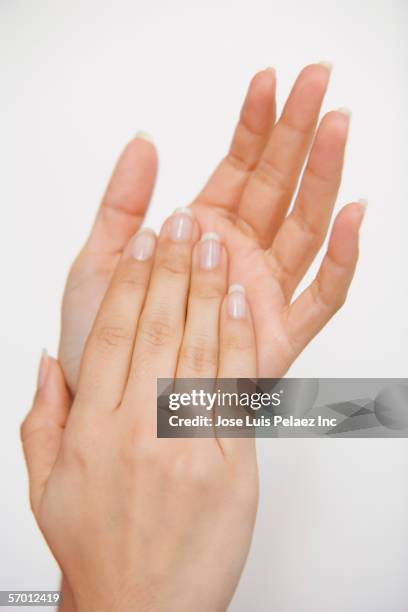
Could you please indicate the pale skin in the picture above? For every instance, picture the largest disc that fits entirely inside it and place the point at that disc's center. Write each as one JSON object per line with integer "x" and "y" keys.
{"x": 246, "y": 202}
{"x": 136, "y": 522}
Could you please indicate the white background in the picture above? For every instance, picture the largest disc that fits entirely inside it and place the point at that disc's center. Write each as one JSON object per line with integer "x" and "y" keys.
{"x": 77, "y": 80}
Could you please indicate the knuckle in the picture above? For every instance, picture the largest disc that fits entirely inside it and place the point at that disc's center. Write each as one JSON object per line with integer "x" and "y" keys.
{"x": 237, "y": 342}
{"x": 314, "y": 235}
{"x": 174, "y": 263}
{"x": 75, "y": 454}
{"x": 330, "y": 303}
{"x": 339, "y": 302}
{"x": 209, "y": 291}
{"x": 193, "y": 472}
{"x": 199, "y": 356}
{"x": 144, "y": 453}
{"x": 156, "y": 331}
{"x": 111, "y": 336}
{"x": 131, "y": 281}
{"x": 78, "y": 451}
{"x": 31, "y": 427}
{"x": 25, "y": 429}
{"x": 268, "y": 174}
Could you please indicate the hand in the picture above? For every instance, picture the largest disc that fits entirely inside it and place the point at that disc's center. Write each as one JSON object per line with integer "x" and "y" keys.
{"x": 246, "y": 201}
{"x": 137, "y": 522}
{"x": 121, "y": 213}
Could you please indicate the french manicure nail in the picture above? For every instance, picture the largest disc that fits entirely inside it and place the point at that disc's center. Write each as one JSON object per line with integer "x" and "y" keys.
{"x": 209, "y": 251}
{"x": 344, "y": 111}
{"x": 144, "y": 136}
{"x": 236, "y": 302}
{"x": 327, "y": 65}
{"x": 181, "y": 226}
{"x": 143, "y": 245}
{"x": 43, "y": 368}
{"x": 364, "y": 205}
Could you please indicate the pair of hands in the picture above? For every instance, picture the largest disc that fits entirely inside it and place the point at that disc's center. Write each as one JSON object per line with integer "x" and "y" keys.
{"x": 246, "y": 202}
{"x": 186, "y": 505}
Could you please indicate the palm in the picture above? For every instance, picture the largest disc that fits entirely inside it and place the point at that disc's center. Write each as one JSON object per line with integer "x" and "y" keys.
{"x": 249, "y": 266}
{"x": 246, "y": 201}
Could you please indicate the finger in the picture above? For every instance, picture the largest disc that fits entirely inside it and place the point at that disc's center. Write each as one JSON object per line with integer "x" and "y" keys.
{"x": 237, "y": 357}
{"x": 108, "y": 351}
{"x": 125, "y": 201}
{"x": 199, "y": 350}
{"x": 270, "y": 189}
{"x": 257, "y": 117}
{"x": 161, "y": 326}
{"x": 237, "y": 344}
{"x": 42, "y": 429}
{"x": 304, "y": 229}
{"x": 327, "y": 293}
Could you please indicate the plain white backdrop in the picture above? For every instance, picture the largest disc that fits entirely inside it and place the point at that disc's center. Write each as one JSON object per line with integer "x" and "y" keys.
{"x": 80, "y": 78}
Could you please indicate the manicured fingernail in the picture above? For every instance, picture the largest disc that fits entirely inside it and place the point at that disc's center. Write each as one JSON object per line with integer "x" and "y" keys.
{"x": 209, "y": 251}
{"x": 271, "y": 69}
{"x": 344, "y": 111}
{"x": 143, "y": 245}
{"x": 43, "y": 369}
{"x": 237, "y": 307}
{"x": 363, "y": 203}
{"x": 181, "y": 225}
{"x": 144, "y": 136}
{"x": 327, "y": 65}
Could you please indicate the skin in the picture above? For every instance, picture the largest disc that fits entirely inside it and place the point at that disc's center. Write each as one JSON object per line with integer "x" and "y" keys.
{"x": 246, "y": 201}
{"x": 132, "y": 519}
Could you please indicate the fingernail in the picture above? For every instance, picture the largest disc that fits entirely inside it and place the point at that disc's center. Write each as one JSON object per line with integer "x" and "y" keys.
{"x": 271, "y": 69}
{"x": 181, "y": 226}
{"x": 327, "y": 65}
{"x": 209, "y": 251}
{"x": 363, "y": 203}
{"x": 43, "y": 369}
{"x": 143, "y": 244}
{"x": 144, "y": 136}
{"x": 345, "y": 111}
{"x": 236, "y": 302}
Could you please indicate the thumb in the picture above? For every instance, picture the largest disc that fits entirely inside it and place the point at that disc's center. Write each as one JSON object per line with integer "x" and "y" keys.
{"x": 42, "y": 429}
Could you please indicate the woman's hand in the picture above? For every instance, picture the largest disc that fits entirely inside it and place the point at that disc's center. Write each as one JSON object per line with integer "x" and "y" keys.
{"x": 136, "y": 522}
{"x": 246, "y": 201}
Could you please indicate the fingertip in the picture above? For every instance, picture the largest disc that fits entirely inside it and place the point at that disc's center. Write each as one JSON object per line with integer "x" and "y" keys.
{"x": 139, "y": 149}
{"x": 336, "y": 122}
{"x": 237, "y": 306}
{"x": 56, "y": 386}
{"x": 141, "y": 135}
{"x": 352, "y": 214}
{"x": 258, "y": 110}
{"x": 210, "y": 253}
{"x": 344, "y": 240}
{"x": 52, "y": 399}
{"x": 325, "y": 64}
{"x": 315, "y": 75}
{"x": 180, "y": 227}
{"x": 263, "y": 82}
{"x": 143, "y": 144}
{"x": 143, "y": 244}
